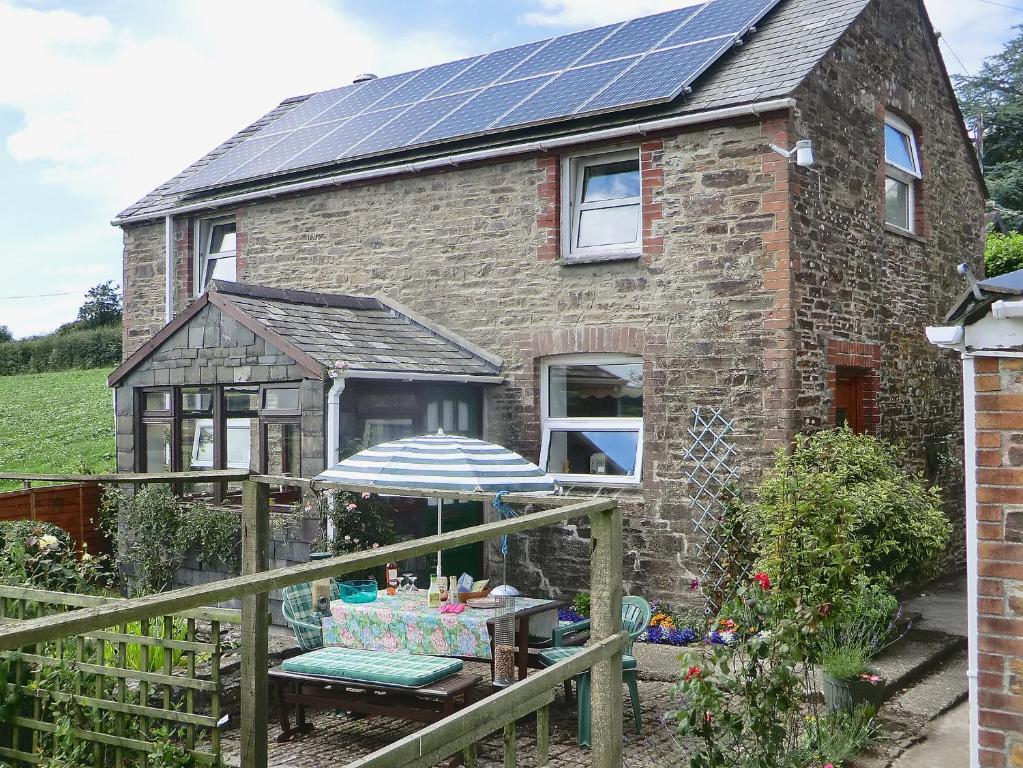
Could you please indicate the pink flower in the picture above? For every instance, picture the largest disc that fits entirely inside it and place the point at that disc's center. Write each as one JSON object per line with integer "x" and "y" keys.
{"x": 352, "y": 507}
{"x": 694, "y": 585}
{"x": 708, "y": 717}
{"x": 375, "y": 545}
{"x": 365, "y": 494}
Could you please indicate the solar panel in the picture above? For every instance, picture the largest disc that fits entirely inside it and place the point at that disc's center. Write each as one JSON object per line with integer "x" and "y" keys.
{"x": 636, "y": 36}
{"x": 645, "y": 61}
{"x": 565, "y": 93}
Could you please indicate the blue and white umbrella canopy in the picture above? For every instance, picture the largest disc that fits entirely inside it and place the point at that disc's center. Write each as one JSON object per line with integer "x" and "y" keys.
{"x": 441, "y": 462}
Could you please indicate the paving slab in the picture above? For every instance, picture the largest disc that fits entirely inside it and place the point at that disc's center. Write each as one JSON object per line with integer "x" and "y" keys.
{"x": 945, "y": 743}
{"x": 939, "y": 692}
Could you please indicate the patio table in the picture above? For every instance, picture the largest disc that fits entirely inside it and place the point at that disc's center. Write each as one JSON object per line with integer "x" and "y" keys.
{"x": 403, "y": 623}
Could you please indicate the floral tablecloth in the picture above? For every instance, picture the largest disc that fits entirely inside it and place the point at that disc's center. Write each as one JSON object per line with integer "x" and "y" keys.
{"x": 404, "y": 623}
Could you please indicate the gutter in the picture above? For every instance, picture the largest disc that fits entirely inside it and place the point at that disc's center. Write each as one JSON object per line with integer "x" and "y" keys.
{"x": 454, "y": 160}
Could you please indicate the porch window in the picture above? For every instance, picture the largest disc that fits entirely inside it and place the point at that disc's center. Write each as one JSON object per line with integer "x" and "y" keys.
{"x": 217, "y": 252}
{"x": 902, "y": 172}
{"x": 219, "y": 427}
{"x": 592, "y": 418}
{"x": 601, "y": 204}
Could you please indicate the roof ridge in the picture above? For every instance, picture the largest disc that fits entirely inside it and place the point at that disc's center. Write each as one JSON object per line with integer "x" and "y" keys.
{"x": 296, "y": 295}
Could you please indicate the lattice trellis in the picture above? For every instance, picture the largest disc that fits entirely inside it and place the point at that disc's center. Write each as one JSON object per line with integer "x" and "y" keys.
{"x": 712, "y": 459}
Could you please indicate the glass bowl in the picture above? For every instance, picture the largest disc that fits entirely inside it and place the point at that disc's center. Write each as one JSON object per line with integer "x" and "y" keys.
{"x": 358, "y": 591}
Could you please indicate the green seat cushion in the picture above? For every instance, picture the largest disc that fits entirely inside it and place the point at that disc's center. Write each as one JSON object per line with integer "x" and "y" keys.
{"x": 554, "y": 655}
{"x": 402, "y": 669}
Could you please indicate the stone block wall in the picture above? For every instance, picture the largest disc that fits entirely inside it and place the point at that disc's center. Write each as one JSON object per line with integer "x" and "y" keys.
{"x": 862, "y": 291}
{"x": 999, "y": 401}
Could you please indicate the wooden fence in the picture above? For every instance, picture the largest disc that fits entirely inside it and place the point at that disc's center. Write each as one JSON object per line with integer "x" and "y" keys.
{"x": 75, "y": 508}
{"x": 458, "y": 732}
{"x": 117, "y": 688}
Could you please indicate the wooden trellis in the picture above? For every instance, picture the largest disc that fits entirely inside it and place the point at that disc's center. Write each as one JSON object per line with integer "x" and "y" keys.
{"x": 124, "y": 684}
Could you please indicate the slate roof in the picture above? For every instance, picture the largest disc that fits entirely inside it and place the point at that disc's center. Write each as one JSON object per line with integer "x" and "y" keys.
{"x": 368, "y": 334}
{"x": 783, "y": 51}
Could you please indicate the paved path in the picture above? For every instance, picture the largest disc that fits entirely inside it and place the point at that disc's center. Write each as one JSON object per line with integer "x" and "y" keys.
{"x": 946, "y": 743}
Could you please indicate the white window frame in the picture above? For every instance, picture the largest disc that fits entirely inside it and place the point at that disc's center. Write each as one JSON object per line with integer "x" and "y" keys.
{"x": 572, "y": 174}
{"x": 203, "y": 240}
{"x": 899, "y": 173}
{"x": 551, "y": 424}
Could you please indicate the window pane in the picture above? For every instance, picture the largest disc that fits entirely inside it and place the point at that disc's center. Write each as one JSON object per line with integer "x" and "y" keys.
{"x": 197, "y": 399}
{"x": 283, "y": 449}
{"x": 898, "y": 149}
{"x": 608, "y": 226}
{"x": 157, "y": 457}
{"x": 241, "y": 400}
{"x": 197, "y": 451}
{"x": 593, "y": 452}
{"x": 611, "y": 181}
{"x": 221, "y": 269}
{"x": 280, "y": 399}
{"x": 896, "y": 202}
{"x": 222, "y": 239}
{"x": 157, "y": 401}
{"x": 596, "y": 391}
{"x": 240, "y": 448}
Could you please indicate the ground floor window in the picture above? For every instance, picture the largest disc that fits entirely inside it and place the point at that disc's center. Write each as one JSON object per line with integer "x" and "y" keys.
{"x": 198, "y": 428}
{"x": 592, "y": 413}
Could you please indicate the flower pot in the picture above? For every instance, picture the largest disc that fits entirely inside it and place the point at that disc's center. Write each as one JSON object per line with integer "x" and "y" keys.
{"x": 847, "y": 695}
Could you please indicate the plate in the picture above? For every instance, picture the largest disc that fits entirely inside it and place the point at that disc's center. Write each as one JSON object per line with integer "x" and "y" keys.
{"x": 483, "y": 602}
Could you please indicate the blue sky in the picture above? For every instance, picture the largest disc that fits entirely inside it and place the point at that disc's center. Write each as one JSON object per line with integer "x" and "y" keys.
{"x": 101, "y": 101}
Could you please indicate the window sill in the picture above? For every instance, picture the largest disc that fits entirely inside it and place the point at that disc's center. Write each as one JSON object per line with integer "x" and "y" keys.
{"x": 600, "y": 257}
{"x": 598, "y": 481}
{"x": 893, "y": 230}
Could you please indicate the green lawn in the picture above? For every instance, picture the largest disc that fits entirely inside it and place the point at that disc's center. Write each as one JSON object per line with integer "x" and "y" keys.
{"x": 56, "y": 422}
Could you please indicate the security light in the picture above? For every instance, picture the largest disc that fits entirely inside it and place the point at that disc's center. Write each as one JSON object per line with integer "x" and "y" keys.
{"x": 802, "y": 153}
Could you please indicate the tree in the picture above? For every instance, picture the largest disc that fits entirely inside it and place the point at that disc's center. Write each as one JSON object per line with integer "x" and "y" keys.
{"x": 102, "y": 306}
{"x": 997, "y": 94}
{"x": 5, "y": 334}
{"x": 1003, "y": 253}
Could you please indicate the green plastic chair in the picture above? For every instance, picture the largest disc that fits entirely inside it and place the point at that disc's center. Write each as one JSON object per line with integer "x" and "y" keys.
{"x": 636, "y": 614}
{"x": 302, "y": 616}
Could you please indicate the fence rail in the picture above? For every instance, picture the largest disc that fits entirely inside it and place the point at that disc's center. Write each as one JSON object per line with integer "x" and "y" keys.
{"x": 256, "y": 582}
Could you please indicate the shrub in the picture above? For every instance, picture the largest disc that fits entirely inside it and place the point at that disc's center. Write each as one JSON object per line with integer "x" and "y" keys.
{"x": 42, "y": 556}
{"x": 89, "y": 348}
{"x": 839, "y": 508}
{"x": 1003, "y": 253}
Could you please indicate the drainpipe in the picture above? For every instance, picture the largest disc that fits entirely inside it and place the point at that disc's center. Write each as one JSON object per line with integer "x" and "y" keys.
{"x": 970, "y": 465}
{"x": 169, "y": 267}
{"x": 332, "y": 454}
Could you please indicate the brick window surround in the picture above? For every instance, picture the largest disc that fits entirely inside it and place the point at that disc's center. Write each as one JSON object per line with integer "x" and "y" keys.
{"x": 534, "y": 346}
{"x": 548, "y": 216}
{"x": 860, "y": 359}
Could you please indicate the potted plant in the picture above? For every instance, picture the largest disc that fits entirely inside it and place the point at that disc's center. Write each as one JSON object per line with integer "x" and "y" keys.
{"x": 849, "y": 681}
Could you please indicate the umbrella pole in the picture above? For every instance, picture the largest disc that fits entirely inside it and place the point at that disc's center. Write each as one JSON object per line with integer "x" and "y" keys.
{"x": 440, "y": 523}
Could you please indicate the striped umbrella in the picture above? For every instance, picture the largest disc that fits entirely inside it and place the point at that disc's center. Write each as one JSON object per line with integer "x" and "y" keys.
{"x": 441, "y": 462}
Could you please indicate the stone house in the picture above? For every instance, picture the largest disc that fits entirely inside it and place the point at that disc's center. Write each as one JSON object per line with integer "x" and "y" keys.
{"x": 586, "y": 277}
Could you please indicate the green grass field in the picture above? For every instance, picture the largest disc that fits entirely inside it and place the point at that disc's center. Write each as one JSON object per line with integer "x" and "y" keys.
{"x": 56, "y": 422}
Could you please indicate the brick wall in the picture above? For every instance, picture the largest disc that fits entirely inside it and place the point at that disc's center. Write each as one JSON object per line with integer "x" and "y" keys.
{"x": 999, "y": 400}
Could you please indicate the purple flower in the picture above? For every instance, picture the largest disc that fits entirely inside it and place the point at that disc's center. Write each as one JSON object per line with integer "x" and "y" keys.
{"x": 569, "y": 615}
{"x": 655, "y": 635}
{"x": 683, "y": 636}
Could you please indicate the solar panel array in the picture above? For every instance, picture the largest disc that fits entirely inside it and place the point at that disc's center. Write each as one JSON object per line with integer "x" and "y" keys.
{"x": 644, "y": 61}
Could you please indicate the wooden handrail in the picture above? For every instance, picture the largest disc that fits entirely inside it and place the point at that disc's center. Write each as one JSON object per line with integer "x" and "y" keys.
{"x": 150, "y": 606}
{"x": 134, "y": 477}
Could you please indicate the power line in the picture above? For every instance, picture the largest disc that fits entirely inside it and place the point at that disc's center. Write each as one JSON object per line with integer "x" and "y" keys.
{"x": 1003, "y": 5}
{"x": 42, "y": 295}
{"x": 944, "y": 40}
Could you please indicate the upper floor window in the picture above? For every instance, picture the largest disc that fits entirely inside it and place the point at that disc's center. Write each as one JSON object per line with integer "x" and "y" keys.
{"x": 592, "y": 407}
{"x": 601, "y": 204}
{"x": 902, "y": 171}
{"x": 216, "y": 252}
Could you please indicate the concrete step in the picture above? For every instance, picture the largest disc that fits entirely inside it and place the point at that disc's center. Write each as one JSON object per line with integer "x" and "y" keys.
{"x": 916, "y": 656}
{"x": 937, "y": 693}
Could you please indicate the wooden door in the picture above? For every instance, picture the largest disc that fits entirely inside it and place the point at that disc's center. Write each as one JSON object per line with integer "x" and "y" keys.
{"x": 849, "y": 402}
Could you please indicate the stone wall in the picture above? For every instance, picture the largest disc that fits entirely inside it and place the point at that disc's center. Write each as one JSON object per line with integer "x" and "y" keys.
{"x": 999, "y": 399}
{"x": 750, "y": 267}
{"x": 862, "y": 291}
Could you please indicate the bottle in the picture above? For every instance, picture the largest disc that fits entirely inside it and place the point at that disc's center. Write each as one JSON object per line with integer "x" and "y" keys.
{"x": 433, "y": 594}
{"x": 391, "y": 576}
{"x": 453, "y": 590}
{"x": 442, "y": 585}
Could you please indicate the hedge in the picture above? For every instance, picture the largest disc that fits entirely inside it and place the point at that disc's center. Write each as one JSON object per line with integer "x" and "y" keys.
{"x": 92, "y": 348}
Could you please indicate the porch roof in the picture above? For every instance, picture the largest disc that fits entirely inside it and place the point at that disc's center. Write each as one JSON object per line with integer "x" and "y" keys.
{"x": 371, "y": 337}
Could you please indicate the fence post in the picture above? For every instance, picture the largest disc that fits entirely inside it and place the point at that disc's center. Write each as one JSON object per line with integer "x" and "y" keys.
{"x": 606, "y": 620}
{"x": 255, "y": 625}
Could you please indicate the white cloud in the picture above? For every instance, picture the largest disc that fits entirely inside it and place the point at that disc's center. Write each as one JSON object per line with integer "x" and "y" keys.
{"x": 110, "y": 112}
{"x": 593, "y": 13}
